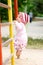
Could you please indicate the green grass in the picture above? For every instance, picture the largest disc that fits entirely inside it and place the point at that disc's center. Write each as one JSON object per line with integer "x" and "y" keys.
{"x": 35, "y": 43}
{"x": 4, "y": 21}
{"x": 5, "y": 39}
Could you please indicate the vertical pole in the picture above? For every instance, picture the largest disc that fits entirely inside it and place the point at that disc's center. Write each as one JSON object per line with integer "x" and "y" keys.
{"x": 16, "y": 8}
{"x": 0, "y": 47}
{"x": 0, "y": 16}
{"x": 11, "y": 31}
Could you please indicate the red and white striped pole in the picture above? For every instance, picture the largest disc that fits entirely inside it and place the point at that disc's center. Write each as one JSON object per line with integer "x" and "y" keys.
{"x": 0, "y": 47}
{"x": 16, "y": 8}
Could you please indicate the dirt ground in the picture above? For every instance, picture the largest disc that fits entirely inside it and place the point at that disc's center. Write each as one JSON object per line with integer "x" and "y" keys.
{"x": 28, "y": 57}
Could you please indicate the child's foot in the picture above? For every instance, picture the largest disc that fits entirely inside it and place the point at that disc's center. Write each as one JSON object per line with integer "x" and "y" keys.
{"x": 18, "y": 54}
{"x": 18, "y": 57}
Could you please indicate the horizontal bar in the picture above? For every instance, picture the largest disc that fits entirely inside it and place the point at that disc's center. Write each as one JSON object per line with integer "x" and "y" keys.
{"x": 4, "y": 5}
{"x": 5, "y": 24}
{"x": 9, "y": 40}
{"x": 7, "y": 60}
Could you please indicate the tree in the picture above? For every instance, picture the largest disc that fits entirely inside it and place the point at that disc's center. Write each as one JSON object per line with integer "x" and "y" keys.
{"x": 24, "y": 6}
{"x": 4, "y": 13}
{"x": 36, "y": 6}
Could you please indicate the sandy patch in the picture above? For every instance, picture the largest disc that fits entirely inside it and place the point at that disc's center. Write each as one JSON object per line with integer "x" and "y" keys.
{"x": 28, "y": 57}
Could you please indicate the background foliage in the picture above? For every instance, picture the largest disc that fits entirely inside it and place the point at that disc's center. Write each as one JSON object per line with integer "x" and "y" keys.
{"x": 24, "y": 5}
{"x": 36, "y": 6}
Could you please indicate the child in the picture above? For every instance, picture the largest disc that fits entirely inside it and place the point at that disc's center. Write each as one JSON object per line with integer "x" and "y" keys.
{"x": 21, "y": 36}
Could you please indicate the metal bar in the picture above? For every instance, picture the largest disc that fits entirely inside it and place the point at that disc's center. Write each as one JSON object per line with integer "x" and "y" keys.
{"x": 0, "y": 47}
{"x": 11, "y": 31}
{"x": 16, "y": 8}
{"x": 0, "y": 17}
{"x": 7, "y": 60}
{"x": 4, "y": 5}
{"x": 6, "y": 24}
{"x": 9, "y": 40}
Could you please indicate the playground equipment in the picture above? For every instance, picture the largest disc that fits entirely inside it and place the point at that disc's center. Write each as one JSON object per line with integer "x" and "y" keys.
{"x": 0, "y": 47}
{"x": 16, "y": 8}
{"x": 9, "y": 7}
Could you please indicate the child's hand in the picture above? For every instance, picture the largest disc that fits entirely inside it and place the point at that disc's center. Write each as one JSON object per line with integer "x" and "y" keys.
{"x": 18, "y": 19}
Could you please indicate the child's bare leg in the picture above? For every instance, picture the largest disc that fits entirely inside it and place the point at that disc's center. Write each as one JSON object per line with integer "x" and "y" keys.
{"x": 18, "y": 53}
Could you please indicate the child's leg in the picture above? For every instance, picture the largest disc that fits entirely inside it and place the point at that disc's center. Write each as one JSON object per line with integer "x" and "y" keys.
{"x": 18, "y": 53}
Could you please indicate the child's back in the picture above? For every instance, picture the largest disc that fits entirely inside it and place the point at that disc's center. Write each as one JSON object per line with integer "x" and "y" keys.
{"x": 21, "y": 36}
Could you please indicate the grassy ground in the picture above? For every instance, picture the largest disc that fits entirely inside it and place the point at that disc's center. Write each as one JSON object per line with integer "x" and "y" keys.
{"x": 5, "y": 39}
{"x": 35, "y": 43}
{"x": 32, "y": 43}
